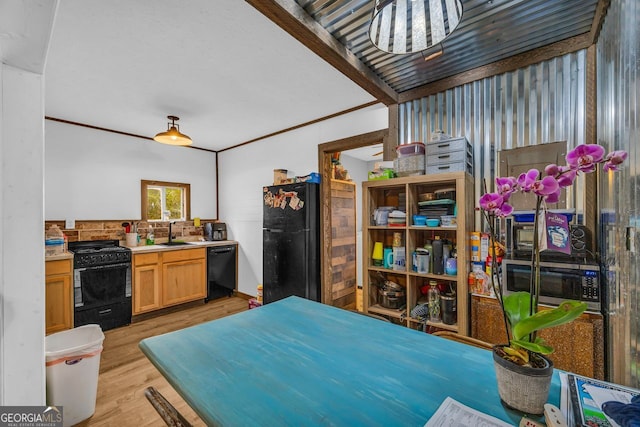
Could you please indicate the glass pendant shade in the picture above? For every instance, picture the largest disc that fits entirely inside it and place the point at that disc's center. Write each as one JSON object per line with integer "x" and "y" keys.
{"x": 173, "y": 136}
{"x": 410, "y": 26}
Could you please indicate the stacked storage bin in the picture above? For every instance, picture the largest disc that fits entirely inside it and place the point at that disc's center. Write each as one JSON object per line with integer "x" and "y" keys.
{"x": 449, "y": 155}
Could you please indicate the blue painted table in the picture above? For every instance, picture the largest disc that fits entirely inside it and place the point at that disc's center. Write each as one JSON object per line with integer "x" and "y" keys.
{"x": 300, "y": 363}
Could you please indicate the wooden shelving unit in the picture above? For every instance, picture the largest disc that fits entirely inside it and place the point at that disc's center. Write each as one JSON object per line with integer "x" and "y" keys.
{"x": 406, "y": 190}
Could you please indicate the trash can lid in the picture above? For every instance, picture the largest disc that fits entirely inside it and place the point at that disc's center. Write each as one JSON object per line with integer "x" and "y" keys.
{"x": 74, "y": 341}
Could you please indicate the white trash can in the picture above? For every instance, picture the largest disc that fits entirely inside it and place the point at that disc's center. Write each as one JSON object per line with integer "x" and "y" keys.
{"x": 72, "y": 365}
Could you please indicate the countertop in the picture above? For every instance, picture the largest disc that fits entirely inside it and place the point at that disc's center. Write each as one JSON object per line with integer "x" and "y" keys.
{"x": 189, "y": 245}
{"x": 154, "y": 248}
{"x": 65, "y": 255}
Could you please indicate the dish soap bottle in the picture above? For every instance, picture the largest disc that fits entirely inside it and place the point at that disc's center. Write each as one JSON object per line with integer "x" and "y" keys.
{"x": 150, "y": 237}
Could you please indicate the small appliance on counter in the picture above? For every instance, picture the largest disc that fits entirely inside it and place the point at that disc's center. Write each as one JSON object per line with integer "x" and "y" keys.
{"x": 219, "y": 231}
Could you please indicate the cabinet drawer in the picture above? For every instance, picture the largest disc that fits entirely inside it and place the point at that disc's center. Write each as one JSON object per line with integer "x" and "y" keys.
{"x": 58, "y": 267}
{"x": 183, "y": 254}
{"x": 448, "y": 157}
{"x": 144, "y": 259}
{"x": 457, "y": 144}
{"x": 450, "y": 167}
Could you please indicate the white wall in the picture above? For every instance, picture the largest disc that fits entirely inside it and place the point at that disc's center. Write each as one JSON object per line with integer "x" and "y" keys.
{"x": 359, "y": 172}
{"x": 22, "y": 320}
{"x": 93, "y": 174}
{"x": 244, "y": 171}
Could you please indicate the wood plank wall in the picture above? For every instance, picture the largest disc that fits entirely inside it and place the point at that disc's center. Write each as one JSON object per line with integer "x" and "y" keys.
{"x": 343, "y": 244}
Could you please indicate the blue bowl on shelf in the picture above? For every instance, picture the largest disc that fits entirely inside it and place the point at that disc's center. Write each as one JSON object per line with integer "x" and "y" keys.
{"x": 433, "y": 222}
{"x": 419, "y": 220}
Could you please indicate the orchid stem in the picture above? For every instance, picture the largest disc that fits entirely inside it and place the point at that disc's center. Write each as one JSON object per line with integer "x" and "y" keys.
{"x": 534, "y": 282}
{"x": 497, "y": 287}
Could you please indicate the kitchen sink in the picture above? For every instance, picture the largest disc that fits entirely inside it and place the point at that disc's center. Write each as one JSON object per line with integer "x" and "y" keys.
{"x": 174, "y": 243}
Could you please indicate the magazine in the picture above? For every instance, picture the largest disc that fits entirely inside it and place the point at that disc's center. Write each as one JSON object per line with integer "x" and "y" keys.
{"x": 587, "y": 396}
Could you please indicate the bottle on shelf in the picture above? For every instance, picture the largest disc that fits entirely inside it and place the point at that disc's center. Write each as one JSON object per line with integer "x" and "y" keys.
{"x": 429, "y": 249}
{"x": 433, "y": 297}
{"x": 438, "y": 264}
{"x": 151, "y": 240}
{"x": 471, "y": 282}
{"x": 446, "y": 251}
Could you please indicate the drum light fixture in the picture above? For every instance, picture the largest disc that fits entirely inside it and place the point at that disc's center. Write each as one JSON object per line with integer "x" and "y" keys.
{"x": 410, "y": 26}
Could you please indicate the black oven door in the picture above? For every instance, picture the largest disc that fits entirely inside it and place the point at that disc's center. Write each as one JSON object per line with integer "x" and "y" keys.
{"x": 101, "y": 285}
{"x": 557, "y": 282}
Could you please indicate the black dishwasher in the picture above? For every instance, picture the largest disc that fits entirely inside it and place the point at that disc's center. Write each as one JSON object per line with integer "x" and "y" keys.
{"x": 221, "y": 271}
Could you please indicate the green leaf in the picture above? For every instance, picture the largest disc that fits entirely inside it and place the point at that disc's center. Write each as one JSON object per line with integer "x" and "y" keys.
{"x": 534, "y": 347}
{"x": 516, "y": 305}
{"x": 566, "y": 312}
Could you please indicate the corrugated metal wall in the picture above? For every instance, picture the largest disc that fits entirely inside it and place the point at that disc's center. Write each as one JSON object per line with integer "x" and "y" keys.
{"x": 533, "y": 105}
{"x": 619, "y": 129}
{"x": 546, "y": 103}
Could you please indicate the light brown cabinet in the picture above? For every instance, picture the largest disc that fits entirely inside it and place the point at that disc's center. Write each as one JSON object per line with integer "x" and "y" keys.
{"x": 405, "y": 193}
{"x": 579, "y": 345}
{"x": 146, "y": 282}
{"x": 58, "y": 296}
{"x": 183, "y": 276}
{"x": 163, "y": 279}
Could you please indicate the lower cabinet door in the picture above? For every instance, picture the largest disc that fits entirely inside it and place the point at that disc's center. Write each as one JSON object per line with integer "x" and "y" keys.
{"x": 146, "y": 294}
{"x": 183, "y": 281}
{"x": 58, "y": 310}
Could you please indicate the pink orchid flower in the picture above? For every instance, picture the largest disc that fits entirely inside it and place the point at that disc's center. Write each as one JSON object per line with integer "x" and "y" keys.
{"x": 585, "y": 157}
{"x": 494, "y": 203}
{"x": 567, "y": 178}
{"x": 552, "y": 169}
{"x": 613, "y": 160}
{"x": 545, "y": 186}
{"x": 506, "y": 186}
{"x": 526, "y": 180}
{"x": 553, "y": 197}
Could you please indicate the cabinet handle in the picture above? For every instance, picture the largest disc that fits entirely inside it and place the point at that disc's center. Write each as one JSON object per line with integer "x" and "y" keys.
{"x": 443, "y": 145}
{"x": 444, "y": 167}
{"x": 444, "y": 156}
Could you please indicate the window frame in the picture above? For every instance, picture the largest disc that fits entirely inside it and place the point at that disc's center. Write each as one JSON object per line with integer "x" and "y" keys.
{"x": 144, "y": 186}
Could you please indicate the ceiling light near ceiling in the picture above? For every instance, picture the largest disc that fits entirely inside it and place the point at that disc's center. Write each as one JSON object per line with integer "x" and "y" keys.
{"x": 173, "y": 136}
{"x": 410, "y": 26}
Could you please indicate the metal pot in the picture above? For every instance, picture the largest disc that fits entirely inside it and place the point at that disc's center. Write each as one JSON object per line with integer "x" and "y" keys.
{"x": 392, "y": 299}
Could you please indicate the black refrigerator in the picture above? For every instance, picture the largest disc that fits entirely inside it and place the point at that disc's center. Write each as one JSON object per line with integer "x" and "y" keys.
{"x": 291, "y": 241}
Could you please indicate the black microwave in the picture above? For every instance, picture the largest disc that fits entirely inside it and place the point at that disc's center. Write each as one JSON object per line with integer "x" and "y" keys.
{"x": 558, "y": 282}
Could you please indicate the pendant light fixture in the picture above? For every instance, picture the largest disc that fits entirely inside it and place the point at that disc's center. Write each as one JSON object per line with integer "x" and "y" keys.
{"x": 173, "y": 136}
{"x": 410, "y": 26}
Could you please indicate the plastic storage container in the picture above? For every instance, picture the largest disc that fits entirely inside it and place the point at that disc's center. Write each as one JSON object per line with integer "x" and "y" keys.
{"x": 54, "y": 241}
{"x": 72, "y": 366}
{"x": 410, "y": 159}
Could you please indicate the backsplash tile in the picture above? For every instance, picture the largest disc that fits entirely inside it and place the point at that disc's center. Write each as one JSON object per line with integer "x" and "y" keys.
{"x": 113, "y": 230}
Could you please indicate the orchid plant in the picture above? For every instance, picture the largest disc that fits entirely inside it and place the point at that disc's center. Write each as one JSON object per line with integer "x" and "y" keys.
{"x": 520, "y": 310}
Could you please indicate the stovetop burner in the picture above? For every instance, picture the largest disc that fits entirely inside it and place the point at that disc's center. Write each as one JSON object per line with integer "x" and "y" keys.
{"x": 91, "y": 253}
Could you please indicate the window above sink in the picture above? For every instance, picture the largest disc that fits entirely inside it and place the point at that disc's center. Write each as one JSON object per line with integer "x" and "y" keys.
{"x": 165, "y": 201}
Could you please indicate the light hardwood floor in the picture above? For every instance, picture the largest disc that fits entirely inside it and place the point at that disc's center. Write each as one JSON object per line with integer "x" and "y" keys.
{"x": 125, "y": 372}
